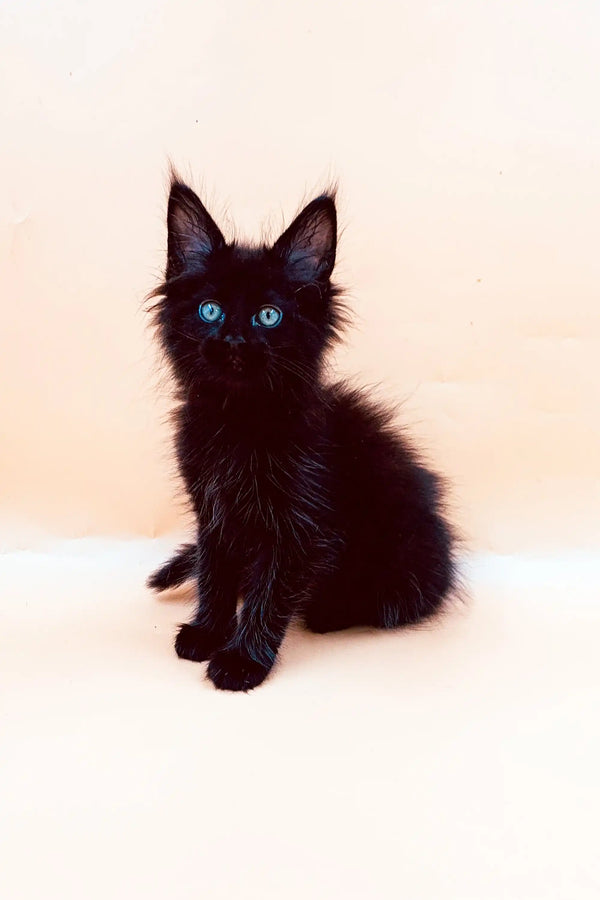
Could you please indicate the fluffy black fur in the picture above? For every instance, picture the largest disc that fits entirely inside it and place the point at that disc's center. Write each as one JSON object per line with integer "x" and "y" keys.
{"x": 308, "y": 500}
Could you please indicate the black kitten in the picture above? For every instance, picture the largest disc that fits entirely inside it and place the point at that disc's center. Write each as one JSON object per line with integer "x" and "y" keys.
{"x": 307, "y": 499}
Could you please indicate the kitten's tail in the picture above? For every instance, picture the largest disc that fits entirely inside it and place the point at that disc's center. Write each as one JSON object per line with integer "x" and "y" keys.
{"x": 177, "y": 570}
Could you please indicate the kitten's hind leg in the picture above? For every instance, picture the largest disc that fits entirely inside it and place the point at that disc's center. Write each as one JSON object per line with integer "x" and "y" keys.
{"x": 337, "y": 605}
{"x": 177, "y": 570}
{"x": 363, "y": 607}
{"x": 387, "y": 597}
{"x": 323, "y": 618}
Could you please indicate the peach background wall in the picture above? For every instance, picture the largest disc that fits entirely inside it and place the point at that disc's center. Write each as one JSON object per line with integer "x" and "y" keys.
{"x": 465, "y": 137}
{"x": 457, "y": 762}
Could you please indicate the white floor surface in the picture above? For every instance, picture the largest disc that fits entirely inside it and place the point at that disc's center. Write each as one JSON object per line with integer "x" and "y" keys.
{"x": 458, "y": 761}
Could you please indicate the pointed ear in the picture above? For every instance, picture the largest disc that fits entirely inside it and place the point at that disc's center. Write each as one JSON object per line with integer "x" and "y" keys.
{"x": 308, "y": 245}
{"x": 193, "y": 235}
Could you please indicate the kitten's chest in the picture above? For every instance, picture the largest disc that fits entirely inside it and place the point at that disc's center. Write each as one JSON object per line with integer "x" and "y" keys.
{"x": 250, "y": 483}
{"x": 244, "y": 480}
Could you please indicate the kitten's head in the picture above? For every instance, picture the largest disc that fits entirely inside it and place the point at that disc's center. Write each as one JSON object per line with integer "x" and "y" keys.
{"x": 239, "y": 318}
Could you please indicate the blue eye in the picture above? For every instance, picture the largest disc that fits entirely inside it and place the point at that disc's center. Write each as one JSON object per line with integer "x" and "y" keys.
{"x": 210, "y": 311}
{"x": 269, "y": 316}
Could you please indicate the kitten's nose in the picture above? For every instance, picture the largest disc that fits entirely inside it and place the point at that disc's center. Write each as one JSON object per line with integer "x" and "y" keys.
{"x": 235, "y": 351}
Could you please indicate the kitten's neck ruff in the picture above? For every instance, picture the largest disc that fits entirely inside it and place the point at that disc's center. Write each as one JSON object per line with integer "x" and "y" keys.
{"x": 247, "y": 418}
{"x": 249, "y": 401}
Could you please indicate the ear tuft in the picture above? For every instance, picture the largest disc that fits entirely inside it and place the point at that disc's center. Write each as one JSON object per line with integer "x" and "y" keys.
{"x": 308, "y": 246}
{"x": 192, "y": 233}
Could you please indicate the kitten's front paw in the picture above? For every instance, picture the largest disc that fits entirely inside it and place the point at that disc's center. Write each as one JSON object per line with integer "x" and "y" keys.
{"x": 232, "y": 670}
{"x": 195, "y": 643}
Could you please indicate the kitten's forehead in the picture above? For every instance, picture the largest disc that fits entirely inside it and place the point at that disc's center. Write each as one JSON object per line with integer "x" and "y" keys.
{"x": 246, "y": 271}
{"x": 257, "y": 260}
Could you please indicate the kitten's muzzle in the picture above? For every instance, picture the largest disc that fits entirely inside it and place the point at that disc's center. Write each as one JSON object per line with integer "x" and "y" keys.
{"x": 233, "y": 355}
